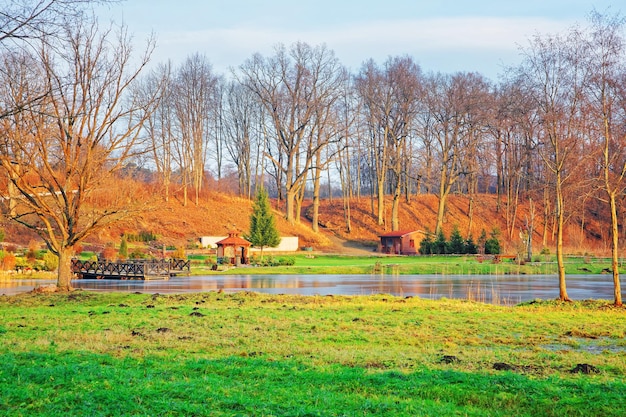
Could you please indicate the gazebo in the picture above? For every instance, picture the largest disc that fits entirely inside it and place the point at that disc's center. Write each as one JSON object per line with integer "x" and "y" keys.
{"x": 234, "y": 249}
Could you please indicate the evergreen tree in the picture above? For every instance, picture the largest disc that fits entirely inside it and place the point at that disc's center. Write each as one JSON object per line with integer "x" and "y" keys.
{"x": 123, "y": 248}
{"x": 481, "y": 241}
{"x": 263, "y": 232}
{"x": 456, "y": 244}
{"x": 470, "y": 247}
{"x": 440, "y": 245}
{"x": 492, "y": 245}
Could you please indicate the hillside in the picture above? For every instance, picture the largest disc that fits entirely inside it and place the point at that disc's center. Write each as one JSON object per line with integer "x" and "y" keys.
{"x": 218, "y": 213}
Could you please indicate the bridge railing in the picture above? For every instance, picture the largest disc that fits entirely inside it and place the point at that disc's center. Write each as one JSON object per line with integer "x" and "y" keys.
{"x": 139, "y": 268}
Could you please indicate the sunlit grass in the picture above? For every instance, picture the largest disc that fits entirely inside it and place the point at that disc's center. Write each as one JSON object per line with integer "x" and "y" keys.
{"x": 252, "y": 354}
{"x": 417, "y": 265}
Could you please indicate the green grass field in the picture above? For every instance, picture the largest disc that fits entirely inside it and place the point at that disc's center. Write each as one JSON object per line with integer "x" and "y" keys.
{"x": 441, "y": 265}
{"x": 248, "y": 354}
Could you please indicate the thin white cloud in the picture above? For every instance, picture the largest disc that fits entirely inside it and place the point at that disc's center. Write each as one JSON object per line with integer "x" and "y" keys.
{"x": 355, "y": 43}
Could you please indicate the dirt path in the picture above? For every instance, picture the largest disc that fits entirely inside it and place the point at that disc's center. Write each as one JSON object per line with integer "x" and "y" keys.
{"x": 346, "y": 247}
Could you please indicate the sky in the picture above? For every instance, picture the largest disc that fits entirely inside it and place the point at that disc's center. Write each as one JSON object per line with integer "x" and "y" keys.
{"x": 442, "y": 36}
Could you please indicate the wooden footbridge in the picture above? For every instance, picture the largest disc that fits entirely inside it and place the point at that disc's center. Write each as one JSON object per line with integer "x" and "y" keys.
{"x": 132, "y": 269}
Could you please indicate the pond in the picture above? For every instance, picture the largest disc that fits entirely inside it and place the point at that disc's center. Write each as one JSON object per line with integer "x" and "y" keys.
{"x": 497, "y": 289}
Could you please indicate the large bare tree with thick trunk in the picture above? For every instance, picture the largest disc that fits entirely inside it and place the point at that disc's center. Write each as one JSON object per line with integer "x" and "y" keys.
{"x": 64, "y": 154}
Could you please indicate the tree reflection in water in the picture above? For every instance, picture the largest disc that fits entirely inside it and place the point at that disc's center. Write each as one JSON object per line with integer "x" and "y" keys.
{"x": 504, "y": 289}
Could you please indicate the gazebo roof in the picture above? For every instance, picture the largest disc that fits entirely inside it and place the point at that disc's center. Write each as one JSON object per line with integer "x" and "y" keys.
{"x": 233, "y": 240}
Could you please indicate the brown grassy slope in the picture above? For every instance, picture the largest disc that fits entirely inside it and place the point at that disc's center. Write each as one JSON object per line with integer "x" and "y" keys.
{"x": 218, "y": 213}
{"x": 421, "y": 214}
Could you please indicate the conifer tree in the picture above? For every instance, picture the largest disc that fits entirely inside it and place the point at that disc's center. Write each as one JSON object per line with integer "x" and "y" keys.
{"x": 123, "y": 248}
{"x": 456, "y": 243}
{"x": 263, "y": 231}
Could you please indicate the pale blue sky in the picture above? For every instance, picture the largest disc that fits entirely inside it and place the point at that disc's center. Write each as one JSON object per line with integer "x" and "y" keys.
{"x": 446, "y": 36}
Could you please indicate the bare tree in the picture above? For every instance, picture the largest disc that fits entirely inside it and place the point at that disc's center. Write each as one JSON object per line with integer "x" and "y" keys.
{"x": 553, "y": 74}
{"x": 453, "y": 104}
{"x": 377, "y": 103}
{"x": 26, "y": 23}
{"x": 31, "y": 20}
{"x": 194, "y": 100}
{"x": 160, "y": 125}
{"x": 242, "y": 116}
{"x": 390, "y": 97}
{"x": 606, "y": 61}
{"x": 66, "y": 166}
{"x": 291, "y": 86}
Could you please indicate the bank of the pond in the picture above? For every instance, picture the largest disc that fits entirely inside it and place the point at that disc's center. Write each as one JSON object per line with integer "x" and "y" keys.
{"x": 220, "y": 354}
{"x": 405, "y": 265}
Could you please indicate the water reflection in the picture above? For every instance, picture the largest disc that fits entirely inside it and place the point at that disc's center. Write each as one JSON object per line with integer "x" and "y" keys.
{"x": 503, "y": 289}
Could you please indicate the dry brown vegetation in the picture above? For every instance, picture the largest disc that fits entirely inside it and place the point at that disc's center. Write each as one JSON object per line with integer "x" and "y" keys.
{"x": 219, "y": 213}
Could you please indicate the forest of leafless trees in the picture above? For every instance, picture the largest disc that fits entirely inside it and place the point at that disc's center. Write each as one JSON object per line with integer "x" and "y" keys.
{"x": 552, "y": 129}
{"x": 79, "y": 107}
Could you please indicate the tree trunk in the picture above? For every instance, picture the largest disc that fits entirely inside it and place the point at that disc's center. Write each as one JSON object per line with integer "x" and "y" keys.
{"x": 470, "y": 215}
{"x": 559, "y": 240}
{"x": 395, "y": 205}
{"x": 381, "y": 201}
{"x": 65, "y": 274}
{"x": 617, "y": 291}
{"x": 530, "y": 228}
{"x": 290, "y": 206}
{"x": 316, "y": 200}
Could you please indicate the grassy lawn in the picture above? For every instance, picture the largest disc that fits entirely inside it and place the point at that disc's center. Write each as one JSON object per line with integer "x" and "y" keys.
{"x": 443, "y": 265}
{"x": 248, "y": 354}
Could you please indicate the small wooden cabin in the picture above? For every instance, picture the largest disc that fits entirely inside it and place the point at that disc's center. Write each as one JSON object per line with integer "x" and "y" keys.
{"x": 234, "y": 249}
{"x": 400, "y": 242}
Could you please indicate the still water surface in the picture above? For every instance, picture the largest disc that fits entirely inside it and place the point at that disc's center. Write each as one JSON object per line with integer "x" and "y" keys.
{"x": 498, "y": 289}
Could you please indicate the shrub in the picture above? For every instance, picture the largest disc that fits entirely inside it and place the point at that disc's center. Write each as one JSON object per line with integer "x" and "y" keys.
{"x": 290, "y": 261}
{"x": 50, "y": 261}
{"x": 145, "y": 236}
{"x": 179, "y": 253}
{"x": 138, "y": 254}
{"x": 32, "y": 252}
{"x": 109, "y": 253}
{"x": 7, "y": 260}
{"x": 492, "y": 245}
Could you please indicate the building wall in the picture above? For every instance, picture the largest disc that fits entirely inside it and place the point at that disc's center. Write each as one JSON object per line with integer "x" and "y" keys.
{"x": 210, "y": 241}
{"x": 287, "y": 244}
{"x": 407, "y": 249}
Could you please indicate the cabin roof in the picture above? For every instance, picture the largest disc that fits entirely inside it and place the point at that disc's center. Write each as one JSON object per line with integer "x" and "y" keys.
{"x": 398, "y": 233}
